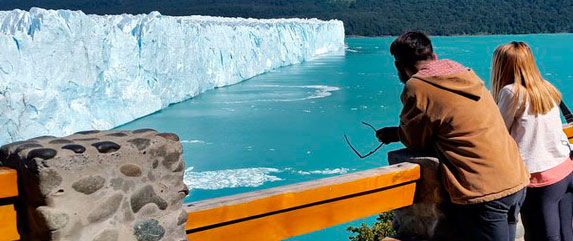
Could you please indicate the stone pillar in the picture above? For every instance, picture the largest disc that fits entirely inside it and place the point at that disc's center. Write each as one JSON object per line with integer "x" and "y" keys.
{"x": 427, "y": 219}
{"x": 100, "y": 186}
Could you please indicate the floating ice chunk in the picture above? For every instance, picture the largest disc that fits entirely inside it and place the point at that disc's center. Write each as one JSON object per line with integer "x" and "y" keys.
{"x": 326, "y": 171}
{"x": 246, "y": 177}
{"x": 281, "y": 93}
{"x": 229, "y": 109}
{"x": 193, "y": 141}
{"x": 230, "y": 178}
{"x": 322, "y": 91}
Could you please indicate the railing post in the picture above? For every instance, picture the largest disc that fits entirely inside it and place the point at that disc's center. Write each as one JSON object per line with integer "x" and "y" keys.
{"x": 427, "y": 219}
{"x": 95, "y": 186}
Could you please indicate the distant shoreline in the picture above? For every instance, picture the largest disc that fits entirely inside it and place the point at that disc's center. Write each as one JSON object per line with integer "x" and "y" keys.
{"x": 366, "y": 18}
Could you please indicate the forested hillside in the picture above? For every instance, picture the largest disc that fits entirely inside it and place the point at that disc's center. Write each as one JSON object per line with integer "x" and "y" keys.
{"x": 361, "y": 17}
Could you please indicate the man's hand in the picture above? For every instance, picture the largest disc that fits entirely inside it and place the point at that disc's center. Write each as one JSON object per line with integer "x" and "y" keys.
{"x": 388, "y": 135}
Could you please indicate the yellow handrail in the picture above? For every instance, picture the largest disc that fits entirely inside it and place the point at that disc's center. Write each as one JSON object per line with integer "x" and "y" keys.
{"x": 8, "y": 194}
{"x": 568, "y": 129}
{"x": 276, "y": 213}
{"x": 292, "y": 210}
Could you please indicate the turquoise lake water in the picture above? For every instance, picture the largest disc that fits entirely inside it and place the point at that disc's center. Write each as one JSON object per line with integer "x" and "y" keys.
{"x": 287, "y": 126}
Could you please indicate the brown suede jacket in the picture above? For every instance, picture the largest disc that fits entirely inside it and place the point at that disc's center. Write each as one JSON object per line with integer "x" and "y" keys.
{"x": 456, "y": 116}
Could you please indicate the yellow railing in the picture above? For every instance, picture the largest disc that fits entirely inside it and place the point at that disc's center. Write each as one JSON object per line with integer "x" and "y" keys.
{"x": 568, "y": 129}
{"x": 276, "y": 213}
{"x": 287, "y": 211}
{"x": 8, "y": 194}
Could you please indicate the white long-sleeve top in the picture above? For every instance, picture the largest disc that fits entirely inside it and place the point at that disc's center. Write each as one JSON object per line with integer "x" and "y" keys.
{"x": 540, "y": 138}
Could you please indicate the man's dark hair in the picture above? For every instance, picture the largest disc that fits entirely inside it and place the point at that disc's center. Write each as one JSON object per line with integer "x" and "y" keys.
{"x": 412, "y": 47}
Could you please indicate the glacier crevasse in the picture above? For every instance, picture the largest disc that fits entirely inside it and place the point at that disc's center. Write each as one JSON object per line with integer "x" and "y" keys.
{"x": 64, "y": 71}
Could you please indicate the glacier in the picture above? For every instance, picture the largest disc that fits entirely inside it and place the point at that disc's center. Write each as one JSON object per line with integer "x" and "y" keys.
{"x": 64, "y": 71}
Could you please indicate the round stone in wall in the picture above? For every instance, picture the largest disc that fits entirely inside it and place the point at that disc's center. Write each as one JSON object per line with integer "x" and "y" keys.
{"x": 117, "y": 134}
{"x": 140, "y": 143}
{"x": 43, "y": 137}
{"x": 75, "y": 148}
{"x": 105, "y": 209}
{"x": 182, "y": 218}
{"x": 143, "y": 131}
{"x": 106, "y": 146}
{"x": 60, "y": 141}
{"x": 144, "y": 196}
{"x": 89, "y": 185}
{"x": 148, "y": 230}
{"x": 131, "y": 170}
{"x": 27, "y": 146}
{"x": 42, "y": 153}
{"x": 87, "y": 132}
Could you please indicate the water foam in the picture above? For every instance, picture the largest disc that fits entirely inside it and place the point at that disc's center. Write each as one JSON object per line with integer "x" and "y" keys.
{"x": 230, "y": 178}
{"x": 193, "y": 141}
{"x": 246, "y": 177}
{"x": 320, "y": 91}
{"x": 326, "y": 171}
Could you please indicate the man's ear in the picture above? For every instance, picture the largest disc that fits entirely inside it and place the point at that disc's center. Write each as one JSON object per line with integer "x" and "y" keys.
{"x": 434, "y": 56}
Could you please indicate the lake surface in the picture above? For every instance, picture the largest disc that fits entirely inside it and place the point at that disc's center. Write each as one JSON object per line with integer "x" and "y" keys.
{"x": 287, "y": 126}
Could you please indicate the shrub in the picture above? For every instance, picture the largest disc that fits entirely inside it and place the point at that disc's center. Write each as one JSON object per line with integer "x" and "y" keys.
{"x": 380, "y": 229}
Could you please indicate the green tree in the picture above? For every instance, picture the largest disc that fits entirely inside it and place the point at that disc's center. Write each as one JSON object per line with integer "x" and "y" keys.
{"x": 380, "y": 229}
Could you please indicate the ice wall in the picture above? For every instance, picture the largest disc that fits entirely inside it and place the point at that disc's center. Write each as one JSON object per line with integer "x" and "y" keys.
{"x": 64, "y": 71}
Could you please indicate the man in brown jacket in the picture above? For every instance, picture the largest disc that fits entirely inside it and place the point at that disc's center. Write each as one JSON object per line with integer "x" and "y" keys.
{"x": 448, "y": 110}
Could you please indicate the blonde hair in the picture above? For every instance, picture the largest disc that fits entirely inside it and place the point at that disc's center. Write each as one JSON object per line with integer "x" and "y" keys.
{"x": 513, "y": 63}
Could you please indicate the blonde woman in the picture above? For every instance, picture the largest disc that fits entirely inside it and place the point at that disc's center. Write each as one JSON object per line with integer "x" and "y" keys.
{"x": 529, "y": 106}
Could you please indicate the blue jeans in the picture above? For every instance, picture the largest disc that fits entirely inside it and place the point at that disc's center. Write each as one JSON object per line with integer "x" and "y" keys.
{"x": 489, "y": 221}
{"x": 547, "y": 212}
